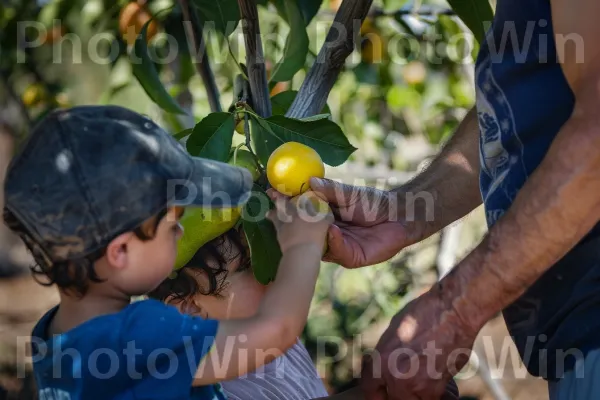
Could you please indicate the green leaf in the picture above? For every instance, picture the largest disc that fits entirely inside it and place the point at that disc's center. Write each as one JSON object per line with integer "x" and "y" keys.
{"x": 183, "y": 133}
{"x": 224, "y": 14}
{"x": 316, "y": 117}
{"x": 263, "y": 138}
{"x": 296, "y": 46}
{"x": 309, "y": 9}
{"x": 323, "y": 135}
{"x": 474, "y": 13}
{"x": 281, "y": 102}
{"x": 145, "y": 71}
{"x": 265, "y": 253}
{"x": 212, "y": 137}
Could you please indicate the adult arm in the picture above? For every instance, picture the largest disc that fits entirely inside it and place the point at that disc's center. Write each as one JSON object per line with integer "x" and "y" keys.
{"x": 373, "y": 225}
{"x": 553, "y": 211}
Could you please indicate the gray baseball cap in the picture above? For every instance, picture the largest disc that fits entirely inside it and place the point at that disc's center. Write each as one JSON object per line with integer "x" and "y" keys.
{"x": 89, "y": 173}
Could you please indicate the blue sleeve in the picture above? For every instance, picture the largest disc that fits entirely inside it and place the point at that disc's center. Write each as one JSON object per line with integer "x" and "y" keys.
{"x": 166, "y": 348}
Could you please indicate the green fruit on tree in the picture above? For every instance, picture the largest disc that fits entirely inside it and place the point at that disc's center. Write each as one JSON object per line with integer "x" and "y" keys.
{"x": 245, "y": 159}
{"x": 240, "y": 127}
{"x": 200, "y": 226}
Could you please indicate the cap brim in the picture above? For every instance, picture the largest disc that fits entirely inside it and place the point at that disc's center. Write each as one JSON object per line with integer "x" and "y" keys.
{"x": 215, "y": 184}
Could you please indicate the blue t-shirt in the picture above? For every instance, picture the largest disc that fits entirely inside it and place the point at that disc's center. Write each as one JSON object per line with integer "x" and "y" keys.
{"x": 523, "y": 100}
{"x": 148, "y": 350}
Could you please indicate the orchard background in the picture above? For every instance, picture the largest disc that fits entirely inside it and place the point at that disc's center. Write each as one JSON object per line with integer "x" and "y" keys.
{"x": 384, "y": 96}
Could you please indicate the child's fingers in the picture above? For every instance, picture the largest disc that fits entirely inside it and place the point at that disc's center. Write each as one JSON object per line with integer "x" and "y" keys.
{"x": 275, "y": 195}
{"x": 272, "y": 216}
{"x": 284, "y": 210}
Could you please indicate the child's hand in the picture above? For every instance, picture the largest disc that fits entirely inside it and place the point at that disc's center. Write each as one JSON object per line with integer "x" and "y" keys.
{"x": 299, "y": 220}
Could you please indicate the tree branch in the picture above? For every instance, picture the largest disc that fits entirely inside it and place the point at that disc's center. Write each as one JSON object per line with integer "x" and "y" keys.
{"x": 339, "y": 44}
{"x": 255, "y": 60}
{"x": 193, "y": 28}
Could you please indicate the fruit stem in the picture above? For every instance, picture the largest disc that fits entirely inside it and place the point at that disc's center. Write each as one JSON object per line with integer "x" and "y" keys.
{"x": 236, "y": 151}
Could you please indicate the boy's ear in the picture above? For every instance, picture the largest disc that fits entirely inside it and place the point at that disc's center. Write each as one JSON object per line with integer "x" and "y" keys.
{"x": 117, "y": 250}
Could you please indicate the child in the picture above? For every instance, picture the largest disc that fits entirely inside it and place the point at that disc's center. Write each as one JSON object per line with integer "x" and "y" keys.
{"x": 93, "y": 195}
{"x": 218, "y": 283}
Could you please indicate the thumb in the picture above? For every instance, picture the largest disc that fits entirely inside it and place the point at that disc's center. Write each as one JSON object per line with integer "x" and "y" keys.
{"x": 373, "y": 387}
{"x": 335, "y": 246}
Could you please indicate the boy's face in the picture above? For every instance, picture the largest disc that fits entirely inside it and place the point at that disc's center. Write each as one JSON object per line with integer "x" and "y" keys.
{"x": 150, "y": 262}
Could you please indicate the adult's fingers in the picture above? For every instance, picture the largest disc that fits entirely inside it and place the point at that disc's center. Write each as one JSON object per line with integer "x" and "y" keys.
{"x": 373, "y": 386}
{"x": 335, "y": 193}
{"x": 337, "y": 249}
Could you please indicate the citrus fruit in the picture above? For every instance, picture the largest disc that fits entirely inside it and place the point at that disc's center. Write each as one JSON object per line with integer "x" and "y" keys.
{"x": 372, "y": 45}
{"x": 53, "y": 34}
{"x": 278, "y": 88}
{"x": 245, "y": 159}
{"x": 291, "y": 166}
{"x": 334, "y": 5}
{"x": 414, "y": 72}
{"x": 132, "y": 19}
{"x": 34, "y": 95}
{"x": 200, "y": 226}
{"x": 241, "y": 127}
{"x": 321, "y": 207}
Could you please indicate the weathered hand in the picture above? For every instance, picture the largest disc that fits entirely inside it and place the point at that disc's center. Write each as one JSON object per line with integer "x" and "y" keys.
{"x": 370, "y": 227}
{"x": 424, "y": 346}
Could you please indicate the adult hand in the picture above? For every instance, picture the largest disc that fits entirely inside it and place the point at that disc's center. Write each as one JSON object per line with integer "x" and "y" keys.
{"x": 424, "y": 346}
{"x": 370, "y": 226}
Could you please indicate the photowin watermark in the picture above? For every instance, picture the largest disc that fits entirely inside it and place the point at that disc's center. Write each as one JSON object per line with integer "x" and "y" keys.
{"x": 136, "y": 360}
{"x": 352, "y": 203}
{"x": 520, "y": 42}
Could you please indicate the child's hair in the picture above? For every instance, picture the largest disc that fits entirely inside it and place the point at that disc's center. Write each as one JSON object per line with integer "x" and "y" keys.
{"x": 211, "y": 260}
{"x": 74, "y": 276}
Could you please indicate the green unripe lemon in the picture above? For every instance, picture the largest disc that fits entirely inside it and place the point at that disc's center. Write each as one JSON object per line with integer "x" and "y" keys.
{"x": 245, "y": 159}
{"x": 200, "y": 226}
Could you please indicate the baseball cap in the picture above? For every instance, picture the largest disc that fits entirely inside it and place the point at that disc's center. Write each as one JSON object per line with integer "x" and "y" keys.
{"x": 89, "y": 173}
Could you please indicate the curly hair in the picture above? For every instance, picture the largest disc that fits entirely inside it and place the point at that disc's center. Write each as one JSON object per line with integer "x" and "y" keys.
{"x": 211, "y": 260}
{"x": 72, "y": 276}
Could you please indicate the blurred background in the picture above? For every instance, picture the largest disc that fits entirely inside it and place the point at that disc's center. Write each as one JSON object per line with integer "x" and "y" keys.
{"x": 401, "y": 94}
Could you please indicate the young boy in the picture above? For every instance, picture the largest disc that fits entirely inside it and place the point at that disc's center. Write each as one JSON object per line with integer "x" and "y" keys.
{"x": 96, "y": 193}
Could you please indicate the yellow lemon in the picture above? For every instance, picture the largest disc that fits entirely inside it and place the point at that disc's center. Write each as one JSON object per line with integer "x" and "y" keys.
{"x": 34, "y": 95}
{"x": 291, "y": 166}
{"x": 373, "y": 45}
{"x": 200, "y": 226}
{"x": 321, "y": 207}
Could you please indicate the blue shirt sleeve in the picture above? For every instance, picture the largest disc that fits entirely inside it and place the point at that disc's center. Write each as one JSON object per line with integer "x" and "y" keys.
{"x": 165, "y": 347}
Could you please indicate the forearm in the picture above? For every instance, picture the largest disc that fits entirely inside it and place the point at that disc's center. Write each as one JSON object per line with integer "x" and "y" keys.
{"x": 448, "y": 189}
{"x": 554, "y": 210}
{"x": 289, "y": 296}
{"x": 243, "y": 345}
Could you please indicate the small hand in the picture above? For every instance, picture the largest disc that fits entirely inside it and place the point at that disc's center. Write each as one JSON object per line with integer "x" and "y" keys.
{"x": 298, "y": 222}
{"x": 425, "y": 345}
{"x": 370, "y": 226}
